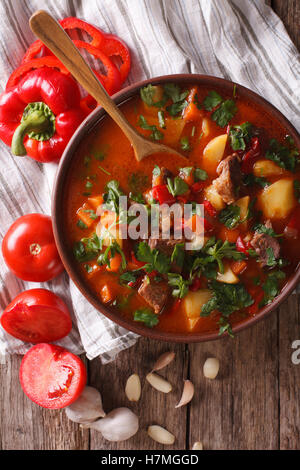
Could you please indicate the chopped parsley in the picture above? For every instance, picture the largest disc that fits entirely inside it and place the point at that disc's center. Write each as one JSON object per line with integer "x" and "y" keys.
{"x": 283, "y": 156}
{"x": 155, "y": 133}
{"x": 230, "y": 216}
{"x": 110, "y": 252}
{"x": 154, "y": 259}
{"x": 81, "y": 224}
{"x": 250, "y": 180}
{"x": 271, "y": 286}
{"x": 227, "y": 298}
{"x": 161, "y": 119}
{"x": 240, "y": 135}
{"x": 177, "y": 96}
{"x": 225, "y": 109}
{"x": 185, "y": 144}
{"x": 87, "y": 248}
{"x": 177, "y": 186}
{"x": 147, "y": 316}
{"x": 180, "y": 285}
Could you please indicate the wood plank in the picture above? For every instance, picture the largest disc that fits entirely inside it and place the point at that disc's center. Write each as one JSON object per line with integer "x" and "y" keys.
{"x": 239, "y": 409}
{"x": 289, "y": 374}
{"x": 154, "y": 407}
{"x": 26, "y": 426}
{"x": 289, "y": 13}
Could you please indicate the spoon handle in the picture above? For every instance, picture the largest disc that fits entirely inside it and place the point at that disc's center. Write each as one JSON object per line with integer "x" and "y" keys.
{"x": 48, "y": 30}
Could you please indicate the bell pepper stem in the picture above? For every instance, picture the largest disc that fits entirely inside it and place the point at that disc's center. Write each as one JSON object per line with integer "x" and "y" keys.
{"x": 36, "y": 122}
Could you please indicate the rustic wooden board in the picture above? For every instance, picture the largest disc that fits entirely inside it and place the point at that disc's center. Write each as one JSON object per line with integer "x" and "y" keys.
{"x": 154, "y": 407}
{"x": 289, "y": 375}
{"x": 238, "y": 409}
{"x": 289, "y": 13}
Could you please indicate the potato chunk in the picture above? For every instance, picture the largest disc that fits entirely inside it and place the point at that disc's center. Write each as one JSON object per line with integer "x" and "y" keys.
{"x": 213, "y": 153}
{"x": 277, "y": 200}
{"x": 267, "y": 168}
{"x": 243, "y": 204}
{"x": 228, "y": 276}
{"x": 194, "y": 301}
{"x": 214, "y": 197}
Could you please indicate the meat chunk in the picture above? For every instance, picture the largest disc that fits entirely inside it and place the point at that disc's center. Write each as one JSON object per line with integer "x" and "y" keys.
{"x": 154, "y": 293}
{"x": 264, "y": 243}
{"x": 230, "y": 178}
{"x": 165, "y": 246}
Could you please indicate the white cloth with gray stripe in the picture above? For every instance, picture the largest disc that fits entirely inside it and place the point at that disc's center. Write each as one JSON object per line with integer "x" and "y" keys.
{"x": 242, "y": 40}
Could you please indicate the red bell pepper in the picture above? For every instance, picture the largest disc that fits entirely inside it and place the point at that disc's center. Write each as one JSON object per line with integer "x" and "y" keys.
{"x": 40, "y": 114}
{"x": 161, "y": 194}
{"x": 242, "y": 247}
{"x": 251, "y": 156}
{"x": 292, "y": 229}
{"x": 20, "y": 72}
{"x": 108, "y": 44}
{"x": 209, "y": 208}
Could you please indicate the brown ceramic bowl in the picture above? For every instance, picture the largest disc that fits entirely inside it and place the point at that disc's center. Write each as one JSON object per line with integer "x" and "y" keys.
{"x": 65, "y": 250}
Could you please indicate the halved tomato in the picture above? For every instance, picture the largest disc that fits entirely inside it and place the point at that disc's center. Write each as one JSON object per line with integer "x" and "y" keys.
{"x": 37, "y": 316}
{"x": 51, "y": 376}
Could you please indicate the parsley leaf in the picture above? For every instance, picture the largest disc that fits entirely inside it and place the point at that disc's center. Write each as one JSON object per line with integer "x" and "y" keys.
{"x": 180, "y": 285}
{"x": 240, "y": 135}
{"x": 177, "y": 186}
{"x": 283, "y": 156}
{"x": 178, "y": 254}
{"x": 155, "y": 133}
{"x": 262, "y": 228}
{"x": 271, "y": 286}
{"x": 200, "y": 175}
{"x": 111, "y": 197}
{"x": 230, "y": 216}
{"x": 161, "y": 119}
{"x": 250, "y": 180}
{"x": 147, "y": 94}
{"x": 224, "y": 113}
{"x": 146, "y": 315}
{"x": 173, "y": 92}
{"x": 154, "y": 259}
{"x": 227, "y": 298}
{"x": 110, "y": 252}
{"x": 212, "y": 100}
{"x": 81, "y": 224}
{"x": 185, "y": 144}
{"x": 87, "y": 248}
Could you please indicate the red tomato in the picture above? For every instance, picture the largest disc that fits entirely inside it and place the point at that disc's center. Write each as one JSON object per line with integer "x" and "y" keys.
{"x": 52, "y": 376}
{"x": 29, "y": 249}
{"x": 37, "y": 316}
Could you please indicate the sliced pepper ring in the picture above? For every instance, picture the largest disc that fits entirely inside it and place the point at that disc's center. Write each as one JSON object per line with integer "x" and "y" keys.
{"x": 47, "y": 61}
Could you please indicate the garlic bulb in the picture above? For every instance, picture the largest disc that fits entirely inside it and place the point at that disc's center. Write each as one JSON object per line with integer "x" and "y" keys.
{"x": 118, "y": 425}
{"x": 87, "y": 408}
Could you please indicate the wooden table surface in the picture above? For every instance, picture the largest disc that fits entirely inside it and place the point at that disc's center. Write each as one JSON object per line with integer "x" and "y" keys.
{"x": 253, "y": 404}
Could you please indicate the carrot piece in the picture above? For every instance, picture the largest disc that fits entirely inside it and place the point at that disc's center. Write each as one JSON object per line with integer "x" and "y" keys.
{"x": 191, "y": 112}
{"x": 95, "y": 201}
{"x": 106, "y": 294}
{"x": 229, "y": 235}
{"x": 115, "y": 263}
{"x": 238, "y": 266}
{"x": 84, "y": 215}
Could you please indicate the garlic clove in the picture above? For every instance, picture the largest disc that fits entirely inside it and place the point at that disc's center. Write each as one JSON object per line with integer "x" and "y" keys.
{"x": 197, "y": 446}
{"x": 118, "y": 425}
{"x": 158, "y": 383}
{"x": 133, "y": 388}
{"x": 87, "y": 408}
{"x": 211, "y": 368}
{"x": 187, "y": 394}
{"x": 164, "y": 360}
{"x": 161, "y": 435}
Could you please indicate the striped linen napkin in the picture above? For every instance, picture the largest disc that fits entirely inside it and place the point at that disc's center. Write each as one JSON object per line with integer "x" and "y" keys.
{"x": 242, "y": 40}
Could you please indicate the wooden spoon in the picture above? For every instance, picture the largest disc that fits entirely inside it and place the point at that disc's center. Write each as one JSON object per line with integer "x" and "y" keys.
{"x": 56, "y": 39}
